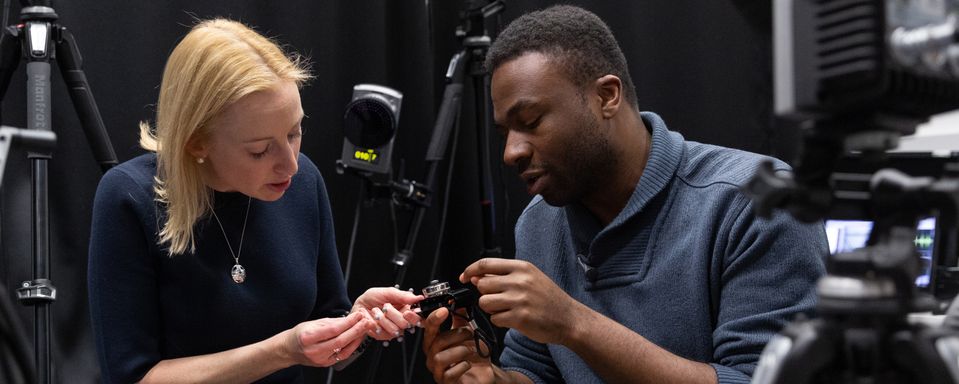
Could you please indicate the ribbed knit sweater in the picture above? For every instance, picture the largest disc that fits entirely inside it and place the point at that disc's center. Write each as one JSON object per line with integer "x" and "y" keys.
{"x": 147, "y": 306}
{"x": 686, "y": 264}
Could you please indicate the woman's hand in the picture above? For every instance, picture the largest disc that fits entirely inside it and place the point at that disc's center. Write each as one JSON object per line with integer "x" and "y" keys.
{"x": 391, "y": 309}
{"x": 325, "y": 342}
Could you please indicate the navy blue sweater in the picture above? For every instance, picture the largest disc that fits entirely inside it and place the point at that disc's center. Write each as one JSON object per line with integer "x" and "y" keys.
{"x": 686, "y": 264}
{"x": 147, "y": 306}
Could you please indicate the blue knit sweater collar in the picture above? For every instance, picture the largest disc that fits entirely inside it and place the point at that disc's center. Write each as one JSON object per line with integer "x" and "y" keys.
{"x": 665, "y": 154}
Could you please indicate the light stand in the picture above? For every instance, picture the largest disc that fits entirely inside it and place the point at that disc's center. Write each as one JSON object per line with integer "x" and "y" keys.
{"x": 470, "y": 60}
{"x": 40, "y": 39}
{"x": 19, "y": 368}
{"x": 476, "y": 43}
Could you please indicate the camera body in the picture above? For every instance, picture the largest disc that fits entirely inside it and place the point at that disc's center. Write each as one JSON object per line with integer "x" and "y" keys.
{"x": 438, "y": 295}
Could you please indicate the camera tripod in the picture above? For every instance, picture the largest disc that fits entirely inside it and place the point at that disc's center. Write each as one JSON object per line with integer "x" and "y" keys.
{"x": 40, "y": 39}
{"x": 467, "y": 63}
{"x": 863, "y": 334}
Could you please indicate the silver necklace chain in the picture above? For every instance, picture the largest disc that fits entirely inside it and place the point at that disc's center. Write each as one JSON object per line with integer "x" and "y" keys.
{"x": 238, "y": 272}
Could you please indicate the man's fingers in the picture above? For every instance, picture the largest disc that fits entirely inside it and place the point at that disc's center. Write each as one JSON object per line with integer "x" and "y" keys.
{"x": 451, "y": 341}
{"x": 462, "y": 351}
{"x": 495, "y": 303}
{"x": 504, "y": 320}
{"x": 459, "y": 318}
{"x": 489, "y": 266}
{"x": 453, "y": 374}
{"x": 492, "y": 283}
{"x": 431, "y": 326}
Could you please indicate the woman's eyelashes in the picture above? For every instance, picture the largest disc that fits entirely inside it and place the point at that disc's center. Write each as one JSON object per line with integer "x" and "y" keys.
{"x": 295, "y": 135}
{"x": 292, "y": 137}
{"x": 259, "y": 155}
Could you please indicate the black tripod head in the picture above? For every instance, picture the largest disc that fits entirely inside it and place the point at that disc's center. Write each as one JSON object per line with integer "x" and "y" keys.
{"x": 39, "y": 39}
{"x": 473, "y": 17}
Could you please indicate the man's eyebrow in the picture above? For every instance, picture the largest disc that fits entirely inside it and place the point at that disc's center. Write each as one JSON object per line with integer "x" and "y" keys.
{"x": 518, "y": 106}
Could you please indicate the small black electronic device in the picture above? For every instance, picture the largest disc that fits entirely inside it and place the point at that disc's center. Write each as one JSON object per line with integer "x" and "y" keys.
{"x": 439, "y": 295}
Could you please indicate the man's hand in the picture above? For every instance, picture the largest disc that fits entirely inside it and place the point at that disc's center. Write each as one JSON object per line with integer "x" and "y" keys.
{"x": 451, "y": 356}
{"x": 518, "y": 295}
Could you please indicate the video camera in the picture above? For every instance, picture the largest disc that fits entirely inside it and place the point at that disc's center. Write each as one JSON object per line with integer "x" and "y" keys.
{"x": 856, "y": 75}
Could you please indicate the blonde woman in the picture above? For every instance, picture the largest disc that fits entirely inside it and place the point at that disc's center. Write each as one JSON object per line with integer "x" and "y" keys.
{"x": 212, "y": 259}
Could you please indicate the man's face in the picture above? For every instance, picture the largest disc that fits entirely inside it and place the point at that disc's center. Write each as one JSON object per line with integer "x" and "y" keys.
{"x": 554, "y": 135}
{"x": 254, "y": 144}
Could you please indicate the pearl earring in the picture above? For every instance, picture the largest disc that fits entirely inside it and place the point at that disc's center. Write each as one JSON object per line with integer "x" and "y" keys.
{"x": 199, "y": 160}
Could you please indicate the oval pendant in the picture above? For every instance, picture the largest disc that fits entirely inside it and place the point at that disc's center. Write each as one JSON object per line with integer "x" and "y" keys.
{"x": 238, "y": 273}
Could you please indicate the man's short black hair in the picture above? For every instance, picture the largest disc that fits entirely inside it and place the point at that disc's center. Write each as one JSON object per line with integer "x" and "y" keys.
{"x": 578, "y": 39}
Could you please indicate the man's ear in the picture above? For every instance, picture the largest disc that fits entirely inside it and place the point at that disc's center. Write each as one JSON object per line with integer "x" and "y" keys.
{"x": 610, "y": 91}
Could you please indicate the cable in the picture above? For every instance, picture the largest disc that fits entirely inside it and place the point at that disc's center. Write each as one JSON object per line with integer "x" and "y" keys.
{"x": 356, "y": 224}
{"x": 349, "y": 254}
{"x": 396, "y": 238}
{"x": 480, "y": 334}
{"x": 329, "y": 375}
{"x": 392, "y": 204}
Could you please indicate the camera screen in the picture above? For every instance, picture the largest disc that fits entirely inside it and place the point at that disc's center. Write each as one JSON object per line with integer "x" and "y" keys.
{"x": 846, "y": 235}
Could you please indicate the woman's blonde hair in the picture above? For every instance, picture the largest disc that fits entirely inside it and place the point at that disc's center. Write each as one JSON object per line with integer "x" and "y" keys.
{"x": 214, "y": 65}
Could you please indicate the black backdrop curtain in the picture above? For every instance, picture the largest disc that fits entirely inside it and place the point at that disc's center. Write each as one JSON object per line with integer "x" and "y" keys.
{"x": 704, "y": 66}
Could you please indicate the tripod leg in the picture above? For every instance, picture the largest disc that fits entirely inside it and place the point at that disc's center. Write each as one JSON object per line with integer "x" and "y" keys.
{"x": 70, "y": 62}
{"x": 9, "y": 57}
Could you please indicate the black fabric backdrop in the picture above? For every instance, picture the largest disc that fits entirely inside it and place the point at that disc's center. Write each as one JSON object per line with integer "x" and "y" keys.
{"x": 704, "y": 66}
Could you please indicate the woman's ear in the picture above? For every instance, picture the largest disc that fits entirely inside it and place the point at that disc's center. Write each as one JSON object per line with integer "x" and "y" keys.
{"x": 610, "y": 91}
{"x": 197, "y": 147}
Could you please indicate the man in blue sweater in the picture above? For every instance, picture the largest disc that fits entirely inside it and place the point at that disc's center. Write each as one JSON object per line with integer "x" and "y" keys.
{"x": 638, "y": 259}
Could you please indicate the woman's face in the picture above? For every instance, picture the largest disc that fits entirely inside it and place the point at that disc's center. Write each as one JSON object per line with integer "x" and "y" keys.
{"x": 254, "y": 144}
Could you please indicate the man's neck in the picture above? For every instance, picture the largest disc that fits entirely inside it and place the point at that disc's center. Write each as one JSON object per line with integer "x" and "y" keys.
{"x": 631, "y": 142}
